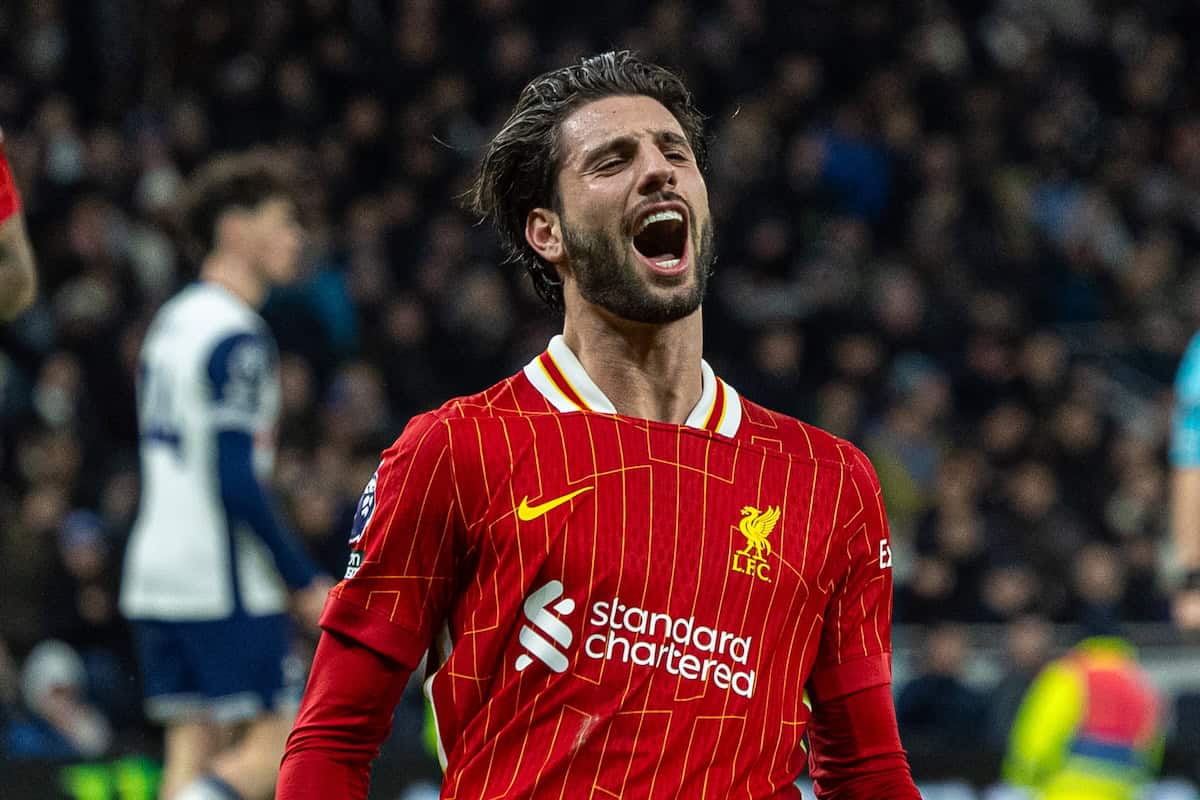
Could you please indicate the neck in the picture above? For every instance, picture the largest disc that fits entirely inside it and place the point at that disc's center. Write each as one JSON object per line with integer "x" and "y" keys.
{"x": 235, "y": 274}
{"x": 647, "y": 371}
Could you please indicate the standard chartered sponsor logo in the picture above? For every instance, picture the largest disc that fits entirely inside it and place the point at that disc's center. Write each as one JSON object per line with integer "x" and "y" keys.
{"x": 675, "y": 644}
{"x": 633, "y": 635}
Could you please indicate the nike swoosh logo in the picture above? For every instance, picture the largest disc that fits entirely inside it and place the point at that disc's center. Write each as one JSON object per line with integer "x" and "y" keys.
{"x": 526, "y": 512}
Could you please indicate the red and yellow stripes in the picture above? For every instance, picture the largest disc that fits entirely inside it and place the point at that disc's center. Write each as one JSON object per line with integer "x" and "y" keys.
{"x": 717, "y": 412}
{"x": 556, "y": 377}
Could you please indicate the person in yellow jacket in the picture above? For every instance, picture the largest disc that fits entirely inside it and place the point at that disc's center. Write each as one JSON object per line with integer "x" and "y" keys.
{"x": 1089, "y": 728}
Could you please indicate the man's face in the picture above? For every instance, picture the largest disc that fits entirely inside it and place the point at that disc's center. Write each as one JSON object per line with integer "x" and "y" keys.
{"x": 633, "y": 210}
{"x": 275, "y": 239}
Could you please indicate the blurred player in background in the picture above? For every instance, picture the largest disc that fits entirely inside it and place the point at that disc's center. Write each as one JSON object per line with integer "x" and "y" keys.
{"x": 625, "y": 574}
{"x": 1089, "y": 728}
{"x": 202, "y": 581}
{"x": 1185, "y": 486}
{"x": 18, "y": 278}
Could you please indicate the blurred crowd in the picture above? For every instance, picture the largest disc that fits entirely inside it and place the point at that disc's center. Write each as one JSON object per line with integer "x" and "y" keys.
{"x": 961, "y": 235}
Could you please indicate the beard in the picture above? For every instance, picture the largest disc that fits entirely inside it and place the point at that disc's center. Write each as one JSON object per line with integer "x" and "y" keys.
{"x": 609, "y": 276}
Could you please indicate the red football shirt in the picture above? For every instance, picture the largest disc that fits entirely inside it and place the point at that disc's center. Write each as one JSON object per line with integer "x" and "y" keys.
{"x": 614, "y": 606}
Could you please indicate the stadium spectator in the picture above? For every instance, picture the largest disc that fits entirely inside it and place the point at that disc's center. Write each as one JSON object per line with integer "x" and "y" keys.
{"x": 1027, "y": 648}
{"x": 58, "y": 721}
{"x": 938, "y": 706}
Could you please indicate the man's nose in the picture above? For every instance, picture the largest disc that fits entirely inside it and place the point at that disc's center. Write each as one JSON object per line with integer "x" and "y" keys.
{"x": 657, "y": 173}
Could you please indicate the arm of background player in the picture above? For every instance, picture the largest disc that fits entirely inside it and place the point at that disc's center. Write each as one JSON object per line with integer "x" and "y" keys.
{"x": 1185, "y": 515}
{"x": 18, "y": 277}
{"x": 246, "y": 500}
{"x": 855, "y": 751}
{"x": 1185, "y": 527}
{"x": 1185, "y": 480}
{"x": 238, "y": 372}
{"x": 346, "y": 715}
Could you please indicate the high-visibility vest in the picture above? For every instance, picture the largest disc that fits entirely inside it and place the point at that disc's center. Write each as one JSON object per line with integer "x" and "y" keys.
{"x": 1090, "y": 727}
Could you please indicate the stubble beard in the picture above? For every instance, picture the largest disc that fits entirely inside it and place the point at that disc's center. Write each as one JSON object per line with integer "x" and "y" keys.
{"x": 609, "y": 276}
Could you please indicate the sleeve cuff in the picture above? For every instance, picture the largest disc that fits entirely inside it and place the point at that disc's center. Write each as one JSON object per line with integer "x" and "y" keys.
{"x": 831, "y": 681}
{"x": 373, "y": 630}
{"x": 300, "y": 574}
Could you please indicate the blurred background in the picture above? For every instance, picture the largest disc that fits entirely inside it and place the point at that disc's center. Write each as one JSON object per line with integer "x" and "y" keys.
{"x": 961, "y": 234}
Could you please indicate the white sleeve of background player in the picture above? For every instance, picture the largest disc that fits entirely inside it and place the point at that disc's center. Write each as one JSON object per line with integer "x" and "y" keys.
{"x": 239, "y": 370}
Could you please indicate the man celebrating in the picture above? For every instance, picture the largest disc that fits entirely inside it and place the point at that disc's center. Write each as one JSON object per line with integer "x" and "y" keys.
{"x": 626, "y": 575}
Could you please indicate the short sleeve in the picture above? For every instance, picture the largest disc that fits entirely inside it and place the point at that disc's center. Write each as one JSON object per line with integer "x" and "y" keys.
{"x": 855, "y": 650}
{"x": 404, "y": 549}
{"x": 1185, "y": 428}
{"x": 239, "y": 371}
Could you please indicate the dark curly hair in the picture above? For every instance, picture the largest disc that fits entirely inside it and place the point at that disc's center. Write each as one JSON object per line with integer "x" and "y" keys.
{"x": 519, "y": 171}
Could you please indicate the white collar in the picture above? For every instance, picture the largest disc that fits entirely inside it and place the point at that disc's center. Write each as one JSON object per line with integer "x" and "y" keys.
{"x": 565, "y": 384}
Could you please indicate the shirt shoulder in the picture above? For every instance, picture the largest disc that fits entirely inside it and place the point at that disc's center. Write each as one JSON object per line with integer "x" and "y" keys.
{"x": 468, "y": 434}
{"x": 787, "y": 435}
{"x": 202, "y": 316}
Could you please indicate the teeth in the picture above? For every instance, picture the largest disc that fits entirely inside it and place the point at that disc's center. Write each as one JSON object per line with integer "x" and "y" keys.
{"x": 667, "y": 263}
{"x": 660, "y": 216}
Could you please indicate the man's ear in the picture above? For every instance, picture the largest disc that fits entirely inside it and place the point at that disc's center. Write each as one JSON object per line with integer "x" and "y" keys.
{"x": 544, "y": 234}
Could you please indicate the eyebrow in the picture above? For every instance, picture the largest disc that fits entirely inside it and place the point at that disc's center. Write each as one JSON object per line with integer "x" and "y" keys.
{"x": 625, "y": 142}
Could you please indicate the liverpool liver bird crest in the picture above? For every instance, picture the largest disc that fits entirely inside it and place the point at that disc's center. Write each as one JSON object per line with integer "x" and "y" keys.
{"x": 756, "y": 526}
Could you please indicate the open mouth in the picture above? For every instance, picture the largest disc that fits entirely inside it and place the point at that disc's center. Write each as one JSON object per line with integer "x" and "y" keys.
{"x": 660, "y": 238}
